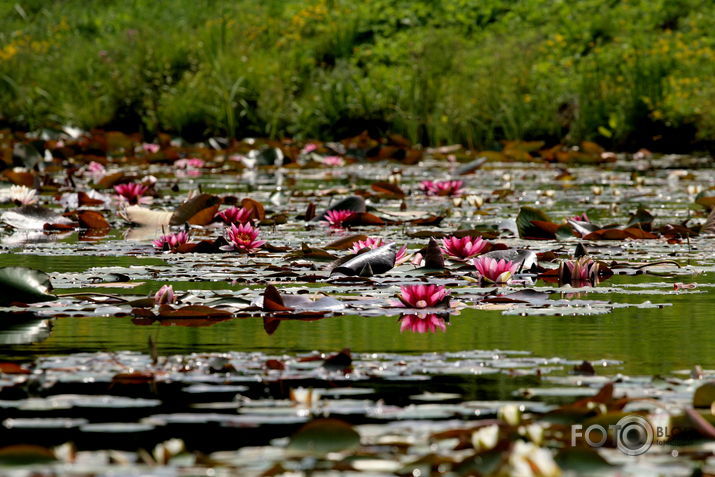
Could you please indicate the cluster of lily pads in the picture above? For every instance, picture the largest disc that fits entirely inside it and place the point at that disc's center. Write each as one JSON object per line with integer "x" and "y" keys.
{"x": 365, "y": 227}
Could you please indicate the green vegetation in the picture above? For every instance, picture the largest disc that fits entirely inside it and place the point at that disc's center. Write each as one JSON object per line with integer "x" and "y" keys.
{"x": 436, "y": 71}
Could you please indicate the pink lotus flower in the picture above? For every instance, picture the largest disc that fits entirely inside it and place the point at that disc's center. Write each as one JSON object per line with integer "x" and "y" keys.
{"x": 244, "y": 238}
{"x": 373, "y": 243}
{"x": 422, "y": 296}
{"x": 582, "y": 271}
{"x": 428, "y": 323}
{"x": 336, "y": 218}
{"x": 234, "y": 215}
{"x": 335, "y": 161}
{"x": 190, "y": 163}
{"x": 442, "y": 188}
{"x": 463, "y": 248}
{"x": 495, "y": 271}
{"x": 150, "y": 148}
{"x": 165, "y": 295}
{"x": 132, "y": 192}
{"x": 171, "y": 241}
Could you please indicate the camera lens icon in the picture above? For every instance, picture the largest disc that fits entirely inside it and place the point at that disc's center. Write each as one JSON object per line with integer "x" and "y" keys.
{"x": 634, "y": 435}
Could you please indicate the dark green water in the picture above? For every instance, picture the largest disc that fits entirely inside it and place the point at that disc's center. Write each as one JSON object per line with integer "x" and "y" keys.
{"x": 648, "y": 341}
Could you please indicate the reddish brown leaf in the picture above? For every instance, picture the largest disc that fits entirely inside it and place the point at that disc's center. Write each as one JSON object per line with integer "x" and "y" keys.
{"x": 275, "y": 364}
{"x": 90, "y": 219}
{"x": 199, "y": 210}
{"x": 12, "y": 368}
{"x": 85, "y": 200}
{"x": 258, "y": 212}
{"x": 388, "y": 189}
{"x": 26, "y": 179}
{"x": 272, "y": 300}
{"x": 345, "y": 242}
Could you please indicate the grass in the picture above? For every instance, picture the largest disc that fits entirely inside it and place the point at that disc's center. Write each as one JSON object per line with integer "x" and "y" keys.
{"x": 627, "y": 73}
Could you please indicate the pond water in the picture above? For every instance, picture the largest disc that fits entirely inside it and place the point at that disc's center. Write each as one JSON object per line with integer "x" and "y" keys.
{"x": 647, "y": 341}
{"x": 648, "y": 313}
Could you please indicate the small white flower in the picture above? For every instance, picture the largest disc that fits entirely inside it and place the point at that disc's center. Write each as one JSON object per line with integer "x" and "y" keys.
{"x": 485, "y": 438}
{"x": 23, "y": 195}
{"x": 528, "y": 460}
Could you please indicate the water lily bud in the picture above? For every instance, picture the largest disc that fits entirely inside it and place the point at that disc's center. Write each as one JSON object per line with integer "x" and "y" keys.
{"x": 165, "y": 295}
{"x": 534, "y": 432}
{"x": 475, "y": 201}
{"x": 486, "y": 438}
{"x": 511, "y": 414}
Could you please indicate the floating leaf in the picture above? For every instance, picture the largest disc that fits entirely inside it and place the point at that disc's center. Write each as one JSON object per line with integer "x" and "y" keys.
{"x": 90, "y": 219}
{"x": 704, "y": 395}
{"x": 324, "y": 436}
{"x": 199, "y": 210}
{"x": 353, "y": 203}
{"x": 25, "y": 455}
{"x": 372, "y": 262}
{"x": 33, "y": 217}
{"x": 24, "y": 285}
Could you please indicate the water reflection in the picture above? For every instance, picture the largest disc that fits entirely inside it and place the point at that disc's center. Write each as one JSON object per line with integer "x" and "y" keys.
{"x": 23, "y": 328}
{"x": 424, "y": 322}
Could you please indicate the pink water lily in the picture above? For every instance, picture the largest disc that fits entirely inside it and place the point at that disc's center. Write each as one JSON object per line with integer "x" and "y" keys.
{"x": 95, "y": 170}
{"x": 335, "y": 161}
{"x": 463, "y": 248}
{"x": 428, "y": 323}
{"x": 442, "y": 188}
{"x": 234, "y": 215}
{"x": 171, "y": 241}
{"x": 189, "y": 163}
{"x": 336, "y": 218}
{"x": 165, "y": 295}
{"x": 422, "y": 296}
{"x": 308, "y": 148}
{"x": 244, "y": 238}
{"x": 495, "y": 271}
{"x": 376, "y": 242}
{"x": 132, "y": 192}
{"x": 582, "y": 271}
{"x": 150, "y": 148}
{"x": 581, "y": 218}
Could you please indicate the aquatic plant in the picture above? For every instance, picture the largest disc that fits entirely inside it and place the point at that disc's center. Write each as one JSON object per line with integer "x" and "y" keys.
{"x": 244, "y": 238}
{"x": 132, "y": 192}
{"x": 463, "y": 248}
{"x": 234, "y": 215}
{"x": 422, "y": 296}
{"x": 336, "y": 218}
{"x": 165, "y": 295}
{"x": 495, "y": 271}
{"x": 442, "y": 188}
{"x": 171, "y": 241}
{"x": 373, "y": 243}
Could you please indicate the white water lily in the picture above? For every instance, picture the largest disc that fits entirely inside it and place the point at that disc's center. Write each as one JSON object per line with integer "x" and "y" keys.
{"x": 485, "y": 438}
{"x": 529, "y": 460}
{"x": 510, "y": 413}
{"x": 23, "y": 195}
